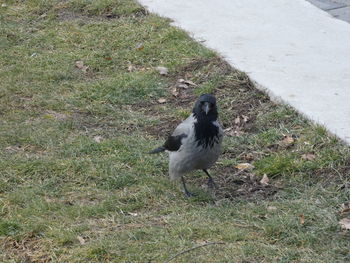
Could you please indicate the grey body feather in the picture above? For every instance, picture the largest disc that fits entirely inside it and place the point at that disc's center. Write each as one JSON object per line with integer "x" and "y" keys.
{"x": 192, "y": 156}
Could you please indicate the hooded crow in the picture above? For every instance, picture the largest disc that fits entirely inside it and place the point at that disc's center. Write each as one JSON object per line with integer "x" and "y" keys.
{"x": 195, "y": 143}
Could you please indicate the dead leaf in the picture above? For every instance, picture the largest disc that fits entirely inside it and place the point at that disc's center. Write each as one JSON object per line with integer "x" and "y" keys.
{"x": 68, "y": 202}
{"x": 265, "y": 180}
{"x": 249, "y": 157}
{"x": 231, "y": 132}
{"x": 346, "y": 210}
{"x": 238, "y": 120}
{"x": 175, "y": 92}
{"x": 302, "y": 219}
{"x": 55, "y": 115}
{"x": 245, "y": 118}
{"x": 111, "y": 15}
{"x": 81, "y": 240}
{"x": 188, "y": 82}
{"x": 140, "y": 46}
{"x": 288, "y": 140}
{"x": 161, "y": 100}
{"x": 13, "y": 148}
{"x": 271, "y": 208}
{"x": 162, "y": 70}
{"x": 98, "y": 139}
{"x": 263, "y": 216}
{"x": 133, "y": 214}
{"x": 108, "y": 58}
{"x": 80, "y": 65}
{"x": 182, "y": 86}
{"x": 244, "y": 166}
{"x": 131, "y": 68}
{"x": 308, "y": 156}
{"x": 345, "y": 223}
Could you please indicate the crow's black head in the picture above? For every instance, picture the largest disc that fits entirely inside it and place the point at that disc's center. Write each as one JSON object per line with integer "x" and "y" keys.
{"x": 205, "y": 107}
{"x": 205, "y": 111}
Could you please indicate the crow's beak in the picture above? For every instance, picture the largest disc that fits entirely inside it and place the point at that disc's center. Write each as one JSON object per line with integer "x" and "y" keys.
{"x": 206, "y": 107}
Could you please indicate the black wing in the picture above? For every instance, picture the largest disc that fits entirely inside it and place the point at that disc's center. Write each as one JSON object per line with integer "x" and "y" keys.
{"x": 173, "y": 143}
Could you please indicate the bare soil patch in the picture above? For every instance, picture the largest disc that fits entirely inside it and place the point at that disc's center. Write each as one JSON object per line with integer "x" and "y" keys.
{"x": 242, "y": 184}
{"x": 29, "y": 250}
{"x": 65, "y": 14}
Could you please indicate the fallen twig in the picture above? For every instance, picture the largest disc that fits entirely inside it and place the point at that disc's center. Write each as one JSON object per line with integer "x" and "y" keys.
{"x": 193, "y": 248}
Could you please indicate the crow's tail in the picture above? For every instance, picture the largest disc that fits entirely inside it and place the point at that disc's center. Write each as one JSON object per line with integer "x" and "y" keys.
{"x": 157, "y": 150}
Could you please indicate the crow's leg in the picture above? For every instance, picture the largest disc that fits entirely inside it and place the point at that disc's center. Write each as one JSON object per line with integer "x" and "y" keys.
{"x": 187, "y": 193}
{"x": 211, "y": 183}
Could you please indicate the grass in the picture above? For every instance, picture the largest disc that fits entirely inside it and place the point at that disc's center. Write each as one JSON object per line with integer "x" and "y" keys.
{"x": 76, "y": 184}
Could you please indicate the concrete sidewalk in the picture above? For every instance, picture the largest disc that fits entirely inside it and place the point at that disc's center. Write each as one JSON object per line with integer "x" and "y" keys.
{"x": 295, "y": 51}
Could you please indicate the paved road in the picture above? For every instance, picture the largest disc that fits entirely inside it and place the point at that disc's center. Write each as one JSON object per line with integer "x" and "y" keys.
{"x": 337, "y": 8}
{"x": 297, "y": 53}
